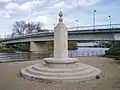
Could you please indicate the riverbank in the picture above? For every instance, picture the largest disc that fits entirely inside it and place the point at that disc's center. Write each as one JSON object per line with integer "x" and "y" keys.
{"x": 109, "y": 79}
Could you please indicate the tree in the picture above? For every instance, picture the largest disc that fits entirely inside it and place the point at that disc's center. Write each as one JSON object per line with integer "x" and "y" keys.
{"x": 30, "y": 27}
{"x": 38, "y": 26}
{"x": 21, "y": 28}
{"x": 72, "y": 45}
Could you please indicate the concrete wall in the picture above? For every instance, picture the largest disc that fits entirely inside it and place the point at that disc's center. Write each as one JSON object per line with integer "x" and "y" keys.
{"x": 38, "y": 46}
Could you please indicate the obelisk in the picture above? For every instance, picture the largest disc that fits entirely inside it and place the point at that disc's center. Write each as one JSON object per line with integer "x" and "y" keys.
{"x": 60, "y": 44}
{"x": 60, "y": 39}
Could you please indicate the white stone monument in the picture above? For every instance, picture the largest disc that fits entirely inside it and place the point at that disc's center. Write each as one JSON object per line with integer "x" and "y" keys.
{"x": 61, "y": 67}
{"x": 60, "y": 44}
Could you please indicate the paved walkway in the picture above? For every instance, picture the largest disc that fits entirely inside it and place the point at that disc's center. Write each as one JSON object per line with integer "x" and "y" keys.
{"x": 110, "y": 77}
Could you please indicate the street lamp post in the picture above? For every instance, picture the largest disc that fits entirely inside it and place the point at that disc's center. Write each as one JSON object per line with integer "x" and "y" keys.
{"x": 94, "y": 12}
{"x": 110, "y": 20}
{"x": 77, "y": 22}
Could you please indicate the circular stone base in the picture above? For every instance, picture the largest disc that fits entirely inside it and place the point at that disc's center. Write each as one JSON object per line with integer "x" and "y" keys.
{"x": 60, "y": 60}
{"x": 78, "y": 72}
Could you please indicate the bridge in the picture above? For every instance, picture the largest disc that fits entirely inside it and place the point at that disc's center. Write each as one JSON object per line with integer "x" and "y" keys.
{"x": 88, "y": 33}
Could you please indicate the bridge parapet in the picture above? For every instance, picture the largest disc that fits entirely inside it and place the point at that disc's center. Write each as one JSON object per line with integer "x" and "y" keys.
{"x": 97, "y": 27}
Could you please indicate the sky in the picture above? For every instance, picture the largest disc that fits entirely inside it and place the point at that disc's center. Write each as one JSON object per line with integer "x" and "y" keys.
{"x": 46, "y": 12}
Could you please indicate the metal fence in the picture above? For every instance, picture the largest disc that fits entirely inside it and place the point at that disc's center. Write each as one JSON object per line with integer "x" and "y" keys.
{"x": 73, "y": 53}
{"x": 6, "y": 57}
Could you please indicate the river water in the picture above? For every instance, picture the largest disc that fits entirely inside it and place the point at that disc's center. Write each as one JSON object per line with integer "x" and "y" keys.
{"x": 81, "y": 51}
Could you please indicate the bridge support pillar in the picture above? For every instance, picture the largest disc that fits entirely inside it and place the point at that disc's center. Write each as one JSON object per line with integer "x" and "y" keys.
{"x": 38, "y": 46}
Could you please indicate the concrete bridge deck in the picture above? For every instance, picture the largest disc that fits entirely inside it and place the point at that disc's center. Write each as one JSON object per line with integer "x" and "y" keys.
{"x": 98, "y": 34}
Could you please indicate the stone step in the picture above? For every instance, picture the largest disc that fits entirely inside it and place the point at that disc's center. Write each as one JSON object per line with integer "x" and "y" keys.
{"x": 79, "y": 78}
{"x": 55, "y": 70}
{"x": 59, "y": 74}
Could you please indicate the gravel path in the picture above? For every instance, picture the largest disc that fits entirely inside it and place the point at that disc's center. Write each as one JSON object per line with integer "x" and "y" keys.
{"x": 109, "y": 80}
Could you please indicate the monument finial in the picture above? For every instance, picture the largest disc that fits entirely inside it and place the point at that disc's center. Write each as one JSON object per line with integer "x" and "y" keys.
{"x": 60, "y": 15}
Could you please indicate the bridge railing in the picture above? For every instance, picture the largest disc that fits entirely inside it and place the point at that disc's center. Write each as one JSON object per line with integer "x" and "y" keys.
{"x": 96, "y": 27}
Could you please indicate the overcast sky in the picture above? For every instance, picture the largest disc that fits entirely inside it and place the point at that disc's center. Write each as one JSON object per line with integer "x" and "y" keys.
{"x": 46, "y": 11}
